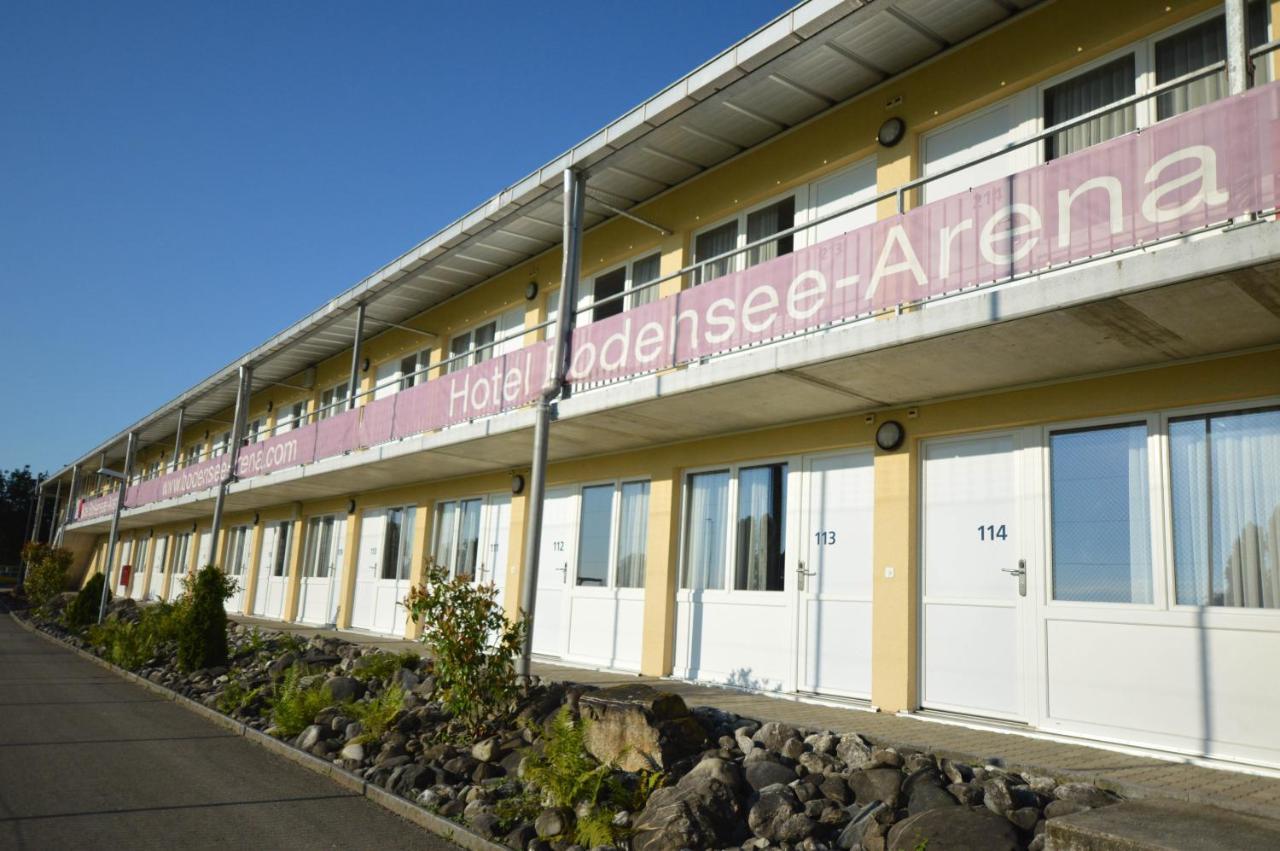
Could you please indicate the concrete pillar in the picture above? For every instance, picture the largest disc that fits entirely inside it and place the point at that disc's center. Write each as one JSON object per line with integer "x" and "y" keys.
{"x": 346, "y": 589}
{"x": 895, "y": 652}
{"x": 421, "y": 542}
{"x": 662, "y": 559}
{"x": 515, "y": 546}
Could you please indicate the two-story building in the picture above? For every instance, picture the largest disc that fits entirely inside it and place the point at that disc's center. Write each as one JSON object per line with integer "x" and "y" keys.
{"x": 926, "y": 356}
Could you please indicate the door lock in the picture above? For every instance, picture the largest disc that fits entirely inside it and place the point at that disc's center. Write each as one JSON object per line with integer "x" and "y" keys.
{"x": 1021, "y": 572}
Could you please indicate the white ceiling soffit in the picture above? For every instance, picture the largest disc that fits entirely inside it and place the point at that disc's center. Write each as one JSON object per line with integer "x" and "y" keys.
{"x": 806, "y": 61}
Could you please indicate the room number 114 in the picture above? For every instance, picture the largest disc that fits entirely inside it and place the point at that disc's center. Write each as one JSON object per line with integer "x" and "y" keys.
{"x": 992, "y": 533}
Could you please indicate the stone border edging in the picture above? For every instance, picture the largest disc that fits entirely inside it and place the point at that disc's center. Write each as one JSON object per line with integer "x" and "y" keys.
{"x": 406, "y": 809}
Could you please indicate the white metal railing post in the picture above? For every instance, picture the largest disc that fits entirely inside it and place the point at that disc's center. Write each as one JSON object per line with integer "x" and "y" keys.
{"x": 233, "y": 455}
{"x": 574, "y": 199}
{"x": 123, "y": 479}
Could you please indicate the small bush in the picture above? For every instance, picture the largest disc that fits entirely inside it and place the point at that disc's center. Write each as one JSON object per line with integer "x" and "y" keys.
{"x": 132, "y": 645}
{"x": 83, "y": 610}
{"x": 383, "y": 666}
{"x": 295, "y": 706}
{"x": 202, "y": 637}
{"x": 236, "y": 697}
{"x": 46, "y": 575}
{"x": 472, "y": 646}
{"x": 375, "y": 716}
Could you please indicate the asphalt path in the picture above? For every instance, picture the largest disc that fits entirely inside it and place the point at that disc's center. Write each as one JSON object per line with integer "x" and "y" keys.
{"x": 90, "y": 760}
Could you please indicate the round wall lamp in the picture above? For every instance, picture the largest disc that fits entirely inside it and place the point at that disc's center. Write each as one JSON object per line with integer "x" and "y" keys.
{"x": 890, "y": 435}
{"x": 270, "y": 404}
{"x": 891, "y": 132}
{"x": 364, "y": 367}
{"x": 531, "y": 290}
{"x": 517, "y": 484}
{"x": 351, "y": 507}
{"x": 256, "y": 518}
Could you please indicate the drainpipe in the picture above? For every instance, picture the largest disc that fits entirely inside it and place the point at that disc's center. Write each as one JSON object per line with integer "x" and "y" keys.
{"x": 177, "y": 438}
{"x": 123, "y": 479}
{"x": 574, "y": 200}
{"x": 72, "y": 496}
{"x": 355, "y": 358}
{"x": 233, "y": 455}
{"x": 1239, "y": 66}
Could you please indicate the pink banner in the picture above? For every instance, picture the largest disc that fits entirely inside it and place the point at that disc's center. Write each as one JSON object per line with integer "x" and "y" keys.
{"x": 98, "y": 506}
{"x": 1198, "y": 169}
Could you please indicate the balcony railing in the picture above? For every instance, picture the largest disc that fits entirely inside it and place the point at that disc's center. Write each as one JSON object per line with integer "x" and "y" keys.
{"x": 1190, "y": 173}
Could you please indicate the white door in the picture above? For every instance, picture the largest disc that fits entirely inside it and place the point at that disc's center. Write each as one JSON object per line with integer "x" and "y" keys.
{"x": 835, "y": 575}
{"x": 368, "y": 566}
{"x": 322, "y": 565}
{"x": 972, "y": 605}
{"x": 556, "y": 554}
{"x": 126, "y": 557}
{"x": 138, "y": 570}
{"x": 273, "y": 570}
{"x": 239, "y": 544}
{"x": 205, "y": 550}
{"x": 159, "y": 552}
{"x": 495, "y": 546}
{"x": 179, "y": 566}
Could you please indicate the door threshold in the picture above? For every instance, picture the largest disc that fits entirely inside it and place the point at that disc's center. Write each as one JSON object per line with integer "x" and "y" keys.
{"x": 966, "y": 719}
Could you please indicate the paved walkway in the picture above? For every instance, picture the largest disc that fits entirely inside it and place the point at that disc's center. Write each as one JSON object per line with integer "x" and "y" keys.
{"x": 1133, "y": 776}
{"x": 90, "y": 760}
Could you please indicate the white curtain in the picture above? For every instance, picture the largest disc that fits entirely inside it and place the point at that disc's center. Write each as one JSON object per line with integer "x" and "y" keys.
{"x": 713, "y": 243}
{"x": 468, "y": 539}
{"x": 767, "y": 221}
{"x": 1085, "y": 93}
{"x": 705, "y": 535}
{"x": 446, "y": 515}
{"x": 754, "y": 498}
{"x": 1196, "y": 48}
{"x": 405, "y": 553}
{"x": 642, "y": 272}
{"x": 1226, "y": 509}
{"x": 633, "y": 529}
{"x": 1140, "y": 590}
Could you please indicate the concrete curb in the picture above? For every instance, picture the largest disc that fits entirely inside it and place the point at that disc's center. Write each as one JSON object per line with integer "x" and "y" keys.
{"x": 440, "y": 826}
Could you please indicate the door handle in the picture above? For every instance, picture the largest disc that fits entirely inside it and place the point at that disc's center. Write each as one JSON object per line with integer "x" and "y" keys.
{"x": 802, "y": 574}
{"x": 1021, "y": 572}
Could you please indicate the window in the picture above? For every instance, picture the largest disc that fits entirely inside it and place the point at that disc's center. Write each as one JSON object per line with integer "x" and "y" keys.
{"x": 458, "y": 536}
{"x": 254, "y": 431}
{"x": 748, "y": 227}
{"x": 238, "y": 550}
{"x": 1101, "y": 524}
{"x": 762, "y": 528}
{"x": 191, "y": 456}
{"x": 476, "y": 345}
{"x": 840, "y": 191}
{"x": 293, "y": 416}
{"x": 705, "y": 531}
{"x": 633, "y": 531}
{"x": 400, "y": 374}
{"x": 619, "y": 280}
{"x": 333, "y": 401}
{"x": 612, "y": 547}
{"x": 280, "y": 557}
{"x": 1226, "y": 508}
{"x": 320, "y": 558}
{"x": 221, "y": 444}
{"x": 397, "y": 543}
{"x": 1084, "y": 93}
{"x": 1197, "y": 47}
{"x": 178, "y": 557}
{"x": 595, "y": 527}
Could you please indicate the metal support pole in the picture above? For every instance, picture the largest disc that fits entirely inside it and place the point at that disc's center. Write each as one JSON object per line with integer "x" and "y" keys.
{"x": 355, "y": 358}
{"x": 1239, "y": 66}
{"x": 53, "y": 515}
{"x": 177, "y": 438}
{"x": 35, "y": 528}
{"x": 72, "y": 496}
{"x": 233, "y": 454}
{"x": 574, "y": 200}
{"x": 29, "y": 536}
{"x": 115, "y": 523}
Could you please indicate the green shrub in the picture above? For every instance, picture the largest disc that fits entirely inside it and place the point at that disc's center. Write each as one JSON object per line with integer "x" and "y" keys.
{"x": 295, "y": 706}
{"x": 375, "y": 715}
{"x": 383, "y": 666}
{"x": 202, "y": 636}
{"x": 83, "y": 610}
{"x": 132, "y": 645}
{"x": 46, "y": 575}
{"x": 236, "y": 697}
{"x": 472, "y": 646}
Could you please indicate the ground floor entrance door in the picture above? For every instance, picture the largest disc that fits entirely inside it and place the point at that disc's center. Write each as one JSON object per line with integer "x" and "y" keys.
{"x": 559, "y": 523}
{"x": 495, "y": 544}
{"x": 273, "y": 570}
{"x": 972, "y": 555}
{"x": 321, "y": 565}
{"x": 159, "y": 552}
{"x": 236, "y": 567}
{"x": 383, "y": 564}
{"x": 179, "y": 566}
{"x": 834, "y": 575}
{"x": 205, "y": 548}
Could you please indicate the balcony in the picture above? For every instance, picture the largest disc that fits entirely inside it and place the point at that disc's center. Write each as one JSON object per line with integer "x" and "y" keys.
{"x": 1156, "y": 246}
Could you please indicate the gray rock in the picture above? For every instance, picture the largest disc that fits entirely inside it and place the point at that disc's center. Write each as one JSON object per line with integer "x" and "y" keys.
{"x": 775, "y": 734}
{"x": 311, "y": 736}
{"x": 1024, "y": 818}
{"x": 851, "y": 836}
{"x": 792, "y": 749}
{"x": 552, "y": 822}
{"x": 854, "y": 751}
{"x": 776, "y": 805}
{"x": 1057, "y": 809}
{"x": 703, "y": 810}
{"x": 1040, "y": 784}
{"x": 886, "y": 757}
{"x": 486, "y": 823}
{"x": 353, "y": 751}
{"x": 877, "y": 784}
{"x": 343, "y": 689}
{"x": 766, "y": 772}
{"x": 485, "y": 750}
{"x": 352, "y": 730}
{"x": 818, "y": 763}
{"x": 966, "y": 793}
{"x": 822, "y": 742}
{"x": 956, "y": 772}
{"x": 929, "y": 796}
{"x": 278, "y": 668}
{"x": 1083, "y": 793}
{"x": 636, "y": 727}
{"x": 954, "y": 829}
{"x": 835, "y": 789}
{"x": 744, "y": 740}
{"x": 520, "y": 836}
{"x": 1001, "y": 795}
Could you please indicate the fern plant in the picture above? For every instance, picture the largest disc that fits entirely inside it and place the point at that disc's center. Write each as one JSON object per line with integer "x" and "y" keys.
{"x": 296, "y": 706}
{"x": 375, "y": 716}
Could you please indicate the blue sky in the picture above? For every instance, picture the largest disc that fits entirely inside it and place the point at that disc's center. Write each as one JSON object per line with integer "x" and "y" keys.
{"x": 180, "y": 180}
